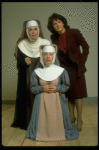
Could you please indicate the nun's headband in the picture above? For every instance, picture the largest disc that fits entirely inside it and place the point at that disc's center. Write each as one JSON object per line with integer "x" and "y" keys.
{"x": 31, "y": 23}
{"x": 48, "y": 49}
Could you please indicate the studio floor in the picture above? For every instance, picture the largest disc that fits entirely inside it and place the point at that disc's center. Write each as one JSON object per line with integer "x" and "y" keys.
{"x": 87, "y": 137}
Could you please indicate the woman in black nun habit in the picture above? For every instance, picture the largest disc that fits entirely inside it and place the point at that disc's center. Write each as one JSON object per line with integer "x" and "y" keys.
{"x": 27, "y": 55}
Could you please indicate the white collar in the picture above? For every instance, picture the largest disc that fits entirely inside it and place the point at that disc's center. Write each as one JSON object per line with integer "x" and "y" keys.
{"x": 32, "y": 49}
{"x": 49, "y": 73}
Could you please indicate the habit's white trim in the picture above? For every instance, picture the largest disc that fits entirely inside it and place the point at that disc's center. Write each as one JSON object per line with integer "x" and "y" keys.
{"x": 48, "y": 49}
{"x": 49, "y": 73}
{"x": 32, "y": 49}
{"x": 31, "y": 23}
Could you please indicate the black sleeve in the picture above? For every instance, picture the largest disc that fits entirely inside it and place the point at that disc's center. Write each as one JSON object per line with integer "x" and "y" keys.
{"x": 21, "y": 60}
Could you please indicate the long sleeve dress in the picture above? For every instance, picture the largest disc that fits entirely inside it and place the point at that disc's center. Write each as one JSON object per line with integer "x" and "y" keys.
{"x": 24, "y": 97}
{"x": 50, "y": 119}
{"x": 73, "y": 60}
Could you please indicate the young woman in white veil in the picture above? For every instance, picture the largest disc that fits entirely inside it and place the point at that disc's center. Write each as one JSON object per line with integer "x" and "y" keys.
{"x": 50, "y": 118}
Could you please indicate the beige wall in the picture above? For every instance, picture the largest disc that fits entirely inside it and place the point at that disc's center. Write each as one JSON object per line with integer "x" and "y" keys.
{"x": 82, "y": 16}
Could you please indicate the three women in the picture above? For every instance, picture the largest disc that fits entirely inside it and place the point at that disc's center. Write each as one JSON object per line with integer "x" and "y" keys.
{"x": 50, "y": 79}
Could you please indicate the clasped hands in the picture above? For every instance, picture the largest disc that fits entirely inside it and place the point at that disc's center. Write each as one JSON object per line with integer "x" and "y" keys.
{"x": 49, "y": 88}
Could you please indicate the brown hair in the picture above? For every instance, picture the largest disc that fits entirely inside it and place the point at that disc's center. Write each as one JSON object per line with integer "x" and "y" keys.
{"x": 56, "y": 16}
{"x": 24, "y": 35}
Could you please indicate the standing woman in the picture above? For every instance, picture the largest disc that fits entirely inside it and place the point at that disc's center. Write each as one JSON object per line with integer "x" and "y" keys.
{"x": 27, "y": 54}
{"x": 68, "y": 42}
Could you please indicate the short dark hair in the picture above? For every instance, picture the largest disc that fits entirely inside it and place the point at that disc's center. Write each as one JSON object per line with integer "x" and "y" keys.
{"x": 56, "y": 16}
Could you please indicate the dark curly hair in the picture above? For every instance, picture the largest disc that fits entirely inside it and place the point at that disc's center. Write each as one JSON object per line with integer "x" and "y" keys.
{"x": 56, "y": 16}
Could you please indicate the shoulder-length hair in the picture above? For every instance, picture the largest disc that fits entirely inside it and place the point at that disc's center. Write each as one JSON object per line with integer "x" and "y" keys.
{"x": 56, "y": 16}
{"x": 24, "y": 34}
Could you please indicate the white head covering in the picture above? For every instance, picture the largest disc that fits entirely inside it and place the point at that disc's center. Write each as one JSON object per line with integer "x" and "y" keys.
{"x": 51, "y": 72}
{"x": 48, "y": 48}
{"x": 30, "y": 24}
{"x": 31, "y": 47}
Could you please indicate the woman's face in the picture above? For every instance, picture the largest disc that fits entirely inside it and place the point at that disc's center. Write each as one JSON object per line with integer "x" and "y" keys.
{"x": 33, "y": 32}
{"x": 58, "y": 26}
{"x": 48, "y": 58}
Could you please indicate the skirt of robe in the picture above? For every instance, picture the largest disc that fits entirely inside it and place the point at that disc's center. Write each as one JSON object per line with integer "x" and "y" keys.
{"x": 50, "y": 118}
{"x": 25, "y": 98}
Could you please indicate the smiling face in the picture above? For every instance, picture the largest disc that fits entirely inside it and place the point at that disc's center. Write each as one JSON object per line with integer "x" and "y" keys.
{"x": 48, "y": 58}
{"x": 58, "y": 26}
{"x": 33, "y": 32}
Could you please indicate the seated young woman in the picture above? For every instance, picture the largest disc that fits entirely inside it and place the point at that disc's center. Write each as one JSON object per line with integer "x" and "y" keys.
{"x": 50, "y": 119}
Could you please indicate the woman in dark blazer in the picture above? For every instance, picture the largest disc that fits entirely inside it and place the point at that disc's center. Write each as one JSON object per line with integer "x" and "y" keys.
{"x": 70, "y": 57}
